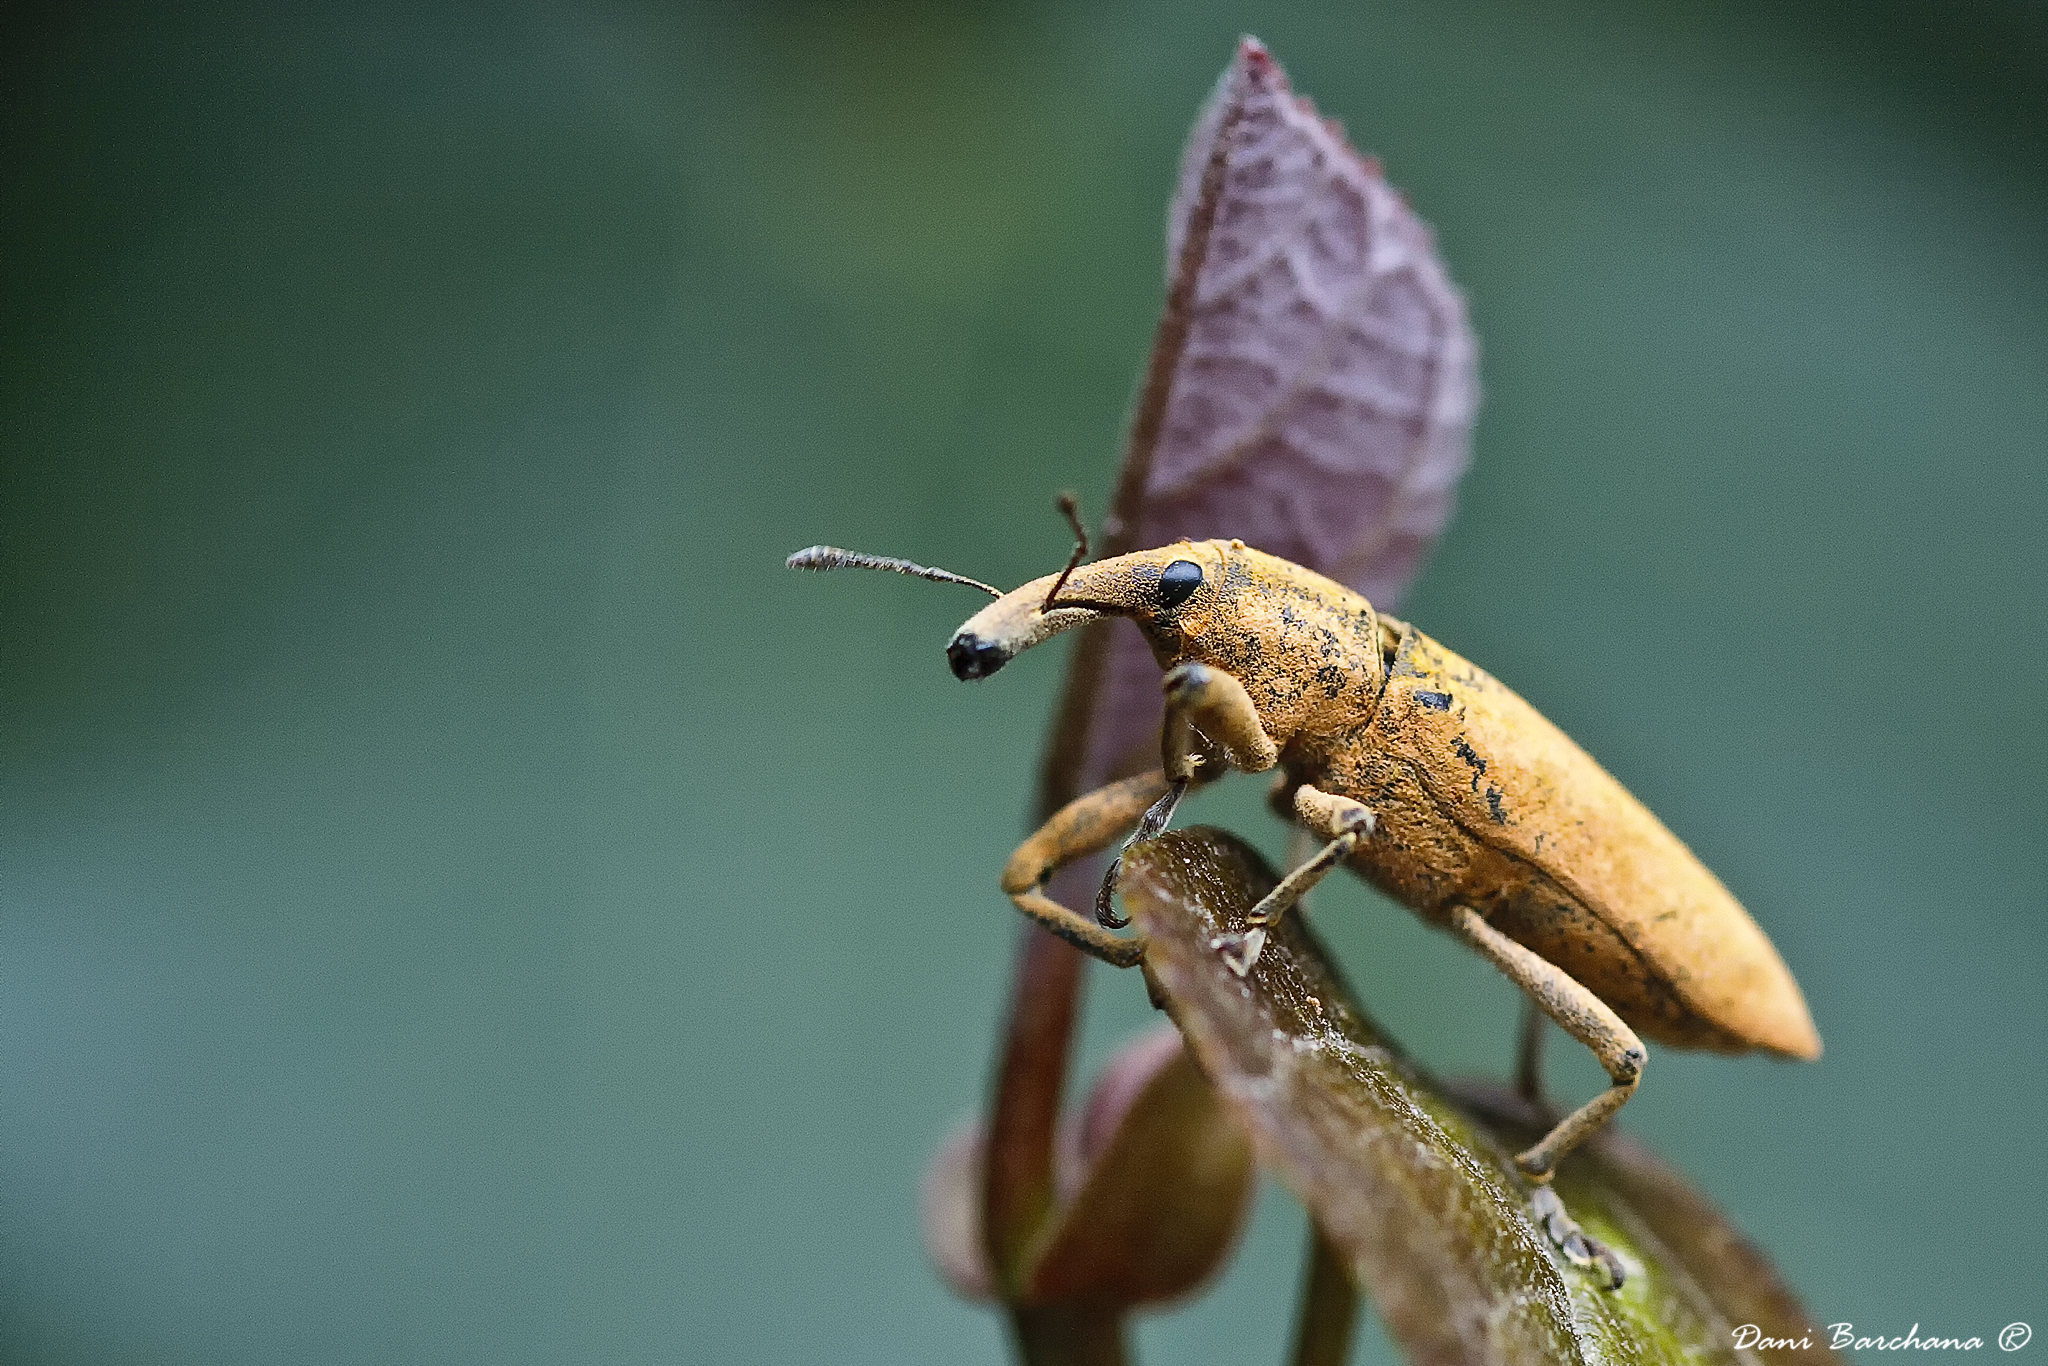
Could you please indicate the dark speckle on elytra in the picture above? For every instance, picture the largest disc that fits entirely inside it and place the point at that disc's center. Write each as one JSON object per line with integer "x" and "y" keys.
{"x": 1435, "y": 701}
{"x": 1470, "y": 756}
{"x": 1493, "y": 803}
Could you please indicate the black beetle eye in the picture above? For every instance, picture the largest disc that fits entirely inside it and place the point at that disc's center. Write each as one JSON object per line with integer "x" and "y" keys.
{"x": 1179, "y": 582}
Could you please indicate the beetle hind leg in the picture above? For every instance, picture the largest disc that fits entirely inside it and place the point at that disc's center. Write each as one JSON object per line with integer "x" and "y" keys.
{"x": 1593, "y": 1023}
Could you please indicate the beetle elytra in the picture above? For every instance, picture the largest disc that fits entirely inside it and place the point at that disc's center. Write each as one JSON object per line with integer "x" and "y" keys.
{"x": 1426, "y": 777}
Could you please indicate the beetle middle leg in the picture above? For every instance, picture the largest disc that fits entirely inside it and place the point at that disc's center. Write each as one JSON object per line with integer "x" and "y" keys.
{"x": 1593, "y": 1023}
{"x": 1529, "y": 1054}
{"x": 1344, "y": 823}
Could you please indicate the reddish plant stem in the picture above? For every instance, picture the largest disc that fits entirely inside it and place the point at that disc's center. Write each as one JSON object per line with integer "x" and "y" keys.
{"x": 1061, "y": 771}
{"x": 1031, "y": 1064}
{"x": 1069, "y": 1334}
{"x": 1024, "y": 1102}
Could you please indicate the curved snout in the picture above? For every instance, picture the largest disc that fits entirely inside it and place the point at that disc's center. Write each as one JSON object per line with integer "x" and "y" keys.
{"x": 1009, "y": 626}
{"x": 1015, "y": 622}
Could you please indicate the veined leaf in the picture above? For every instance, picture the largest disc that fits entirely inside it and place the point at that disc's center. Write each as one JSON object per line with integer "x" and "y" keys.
{"x": 1418, "y": 1193}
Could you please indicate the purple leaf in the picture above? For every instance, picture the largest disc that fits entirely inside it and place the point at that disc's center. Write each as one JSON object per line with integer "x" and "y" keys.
{"x": 1322, "y": 408}
{"x": 1311, "y": 390}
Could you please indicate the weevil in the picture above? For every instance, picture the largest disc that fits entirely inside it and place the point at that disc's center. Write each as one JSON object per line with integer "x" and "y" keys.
{"x": 1426, "y": 777}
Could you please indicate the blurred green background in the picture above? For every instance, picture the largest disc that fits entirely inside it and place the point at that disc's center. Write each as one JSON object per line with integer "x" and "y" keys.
{"x": 462, "y": 900}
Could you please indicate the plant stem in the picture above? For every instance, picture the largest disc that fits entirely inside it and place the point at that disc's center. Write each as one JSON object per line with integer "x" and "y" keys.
{"x": 1329, "y": 1305}
{"x": 1024, "y": 1101}
{"x": 1069, "y": 1335}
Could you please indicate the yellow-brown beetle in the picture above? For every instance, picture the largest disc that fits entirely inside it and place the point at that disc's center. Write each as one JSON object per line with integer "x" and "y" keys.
{"x": 1430, "y": 779}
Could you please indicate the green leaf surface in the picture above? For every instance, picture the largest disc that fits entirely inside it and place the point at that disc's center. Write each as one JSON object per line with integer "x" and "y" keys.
{"x": 1417, "y": 1189}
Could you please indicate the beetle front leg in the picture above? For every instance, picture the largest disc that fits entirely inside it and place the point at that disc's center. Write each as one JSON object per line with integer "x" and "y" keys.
{"x": 1086, "y": 825}
{"x": 1593, "y": 1023}
{"x": 1207, "y": 703}
{"x": 1206, "y": 710}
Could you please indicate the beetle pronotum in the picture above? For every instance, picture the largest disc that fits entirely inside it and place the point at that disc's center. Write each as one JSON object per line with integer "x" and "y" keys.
{"x": 1426, "y": 777}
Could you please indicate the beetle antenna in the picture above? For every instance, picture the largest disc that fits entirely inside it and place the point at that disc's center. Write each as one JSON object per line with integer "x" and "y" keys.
{"x": 1070, "y": 507}
{"x": 823, "y": 557}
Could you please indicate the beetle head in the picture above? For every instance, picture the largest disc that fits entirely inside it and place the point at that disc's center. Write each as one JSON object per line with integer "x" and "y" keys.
{"x": 1179, "y": 595}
